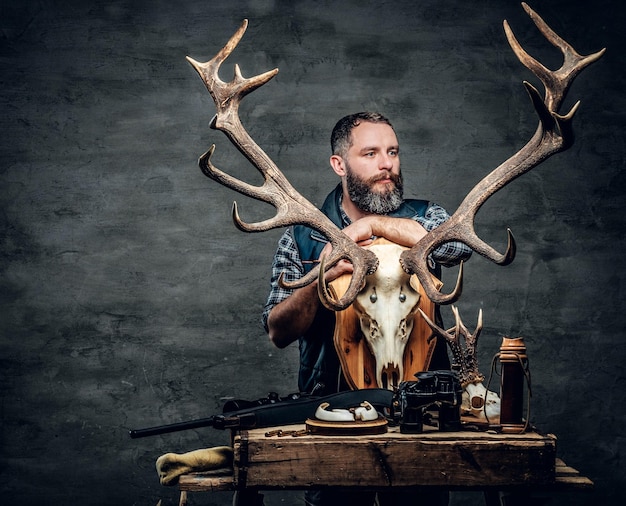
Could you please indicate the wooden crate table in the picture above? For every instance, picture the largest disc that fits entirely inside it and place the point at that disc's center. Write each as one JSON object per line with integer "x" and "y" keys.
{"x": 433, "y": 458}
{"x": 452, "y": 460}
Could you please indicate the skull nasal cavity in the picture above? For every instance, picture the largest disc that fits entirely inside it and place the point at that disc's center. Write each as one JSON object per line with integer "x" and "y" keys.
{"x": 390, "y": 376}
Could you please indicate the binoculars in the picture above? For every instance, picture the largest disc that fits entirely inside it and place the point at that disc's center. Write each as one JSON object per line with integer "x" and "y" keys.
{"x": 439, "y": 390}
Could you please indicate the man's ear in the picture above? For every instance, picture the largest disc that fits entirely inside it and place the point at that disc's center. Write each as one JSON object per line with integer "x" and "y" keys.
{"x": 336, "y": 162}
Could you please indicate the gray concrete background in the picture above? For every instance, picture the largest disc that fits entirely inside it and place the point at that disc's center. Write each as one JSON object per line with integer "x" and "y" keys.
{"x": 128, "y": 297}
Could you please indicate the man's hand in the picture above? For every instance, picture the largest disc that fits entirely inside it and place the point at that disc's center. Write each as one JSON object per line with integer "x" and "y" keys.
{"x": 403, "y": 231}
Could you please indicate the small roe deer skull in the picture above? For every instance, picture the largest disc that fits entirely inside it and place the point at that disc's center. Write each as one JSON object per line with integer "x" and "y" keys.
{"x": 477, "y": 400}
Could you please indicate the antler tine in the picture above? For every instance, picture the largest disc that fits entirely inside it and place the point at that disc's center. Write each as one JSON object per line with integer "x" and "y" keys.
{"x": 459, "y": 328}
{"x": 451, "y": 335}
{"x": 554, "y": 134}
{"x": 557, "y": 82}
{"x": 291, "y": 207}
{"x": 479, "y": 324}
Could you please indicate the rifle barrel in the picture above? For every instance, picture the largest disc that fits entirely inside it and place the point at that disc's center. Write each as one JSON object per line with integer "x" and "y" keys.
{"x": 172, "y": 427}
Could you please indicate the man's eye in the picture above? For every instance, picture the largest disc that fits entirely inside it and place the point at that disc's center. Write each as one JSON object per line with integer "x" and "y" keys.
{"x": 393, "y": 152}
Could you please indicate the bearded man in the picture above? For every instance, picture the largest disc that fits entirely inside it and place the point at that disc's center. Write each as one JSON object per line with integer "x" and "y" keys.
{"x": 368, "y": 203}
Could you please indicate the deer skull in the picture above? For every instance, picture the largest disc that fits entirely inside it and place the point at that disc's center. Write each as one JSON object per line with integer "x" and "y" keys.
{"x": 386, "y": 308}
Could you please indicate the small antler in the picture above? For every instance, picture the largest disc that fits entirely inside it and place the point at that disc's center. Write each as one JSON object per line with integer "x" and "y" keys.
{"x": 292, "y": 208}
{"x": 554, "y": 134}
{"x": 464, "y": 355}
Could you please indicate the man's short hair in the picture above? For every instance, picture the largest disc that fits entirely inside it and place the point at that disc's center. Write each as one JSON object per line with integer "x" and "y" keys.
{"x": 341, "y": 137}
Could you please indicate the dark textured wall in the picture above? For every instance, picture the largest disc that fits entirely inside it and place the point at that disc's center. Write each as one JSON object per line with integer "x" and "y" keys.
{"x": 129, "y": 299}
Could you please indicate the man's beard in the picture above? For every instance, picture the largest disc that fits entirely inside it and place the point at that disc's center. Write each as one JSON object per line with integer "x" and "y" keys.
{"x": 370, "y": 201}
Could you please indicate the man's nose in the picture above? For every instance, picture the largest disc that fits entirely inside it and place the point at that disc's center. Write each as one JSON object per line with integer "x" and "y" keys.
{"x": 386, "y": 162}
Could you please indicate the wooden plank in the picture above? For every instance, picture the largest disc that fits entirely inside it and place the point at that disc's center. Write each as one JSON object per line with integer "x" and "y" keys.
{"x": 578, "y": 482}
{"x": 568, "y": 477}
{"x": 202, "y": 482}
{"x": 458, "y": 459}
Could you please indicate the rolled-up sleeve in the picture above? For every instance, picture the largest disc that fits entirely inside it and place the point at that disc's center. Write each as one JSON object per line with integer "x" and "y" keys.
{"x": 449, "y": 253}
{"x": 288, "y": 263}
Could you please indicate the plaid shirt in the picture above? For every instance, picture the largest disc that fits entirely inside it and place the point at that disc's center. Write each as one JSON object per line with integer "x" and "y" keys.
{"x": 287, "y": 258}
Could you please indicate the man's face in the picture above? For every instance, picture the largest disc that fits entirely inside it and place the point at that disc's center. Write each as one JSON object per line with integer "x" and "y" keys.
{"x": 372, "y": 165}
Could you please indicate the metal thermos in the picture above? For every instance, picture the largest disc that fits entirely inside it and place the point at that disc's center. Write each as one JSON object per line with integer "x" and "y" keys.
{"x": 513, "y": 361}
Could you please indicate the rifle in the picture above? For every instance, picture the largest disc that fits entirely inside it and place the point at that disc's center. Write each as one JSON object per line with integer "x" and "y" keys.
{"x": 274, "y": 410}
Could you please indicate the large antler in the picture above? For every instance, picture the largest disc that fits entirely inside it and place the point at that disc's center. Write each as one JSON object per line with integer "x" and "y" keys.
{"x": 554, "y": 134}
{"x": 292, "y": 208}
